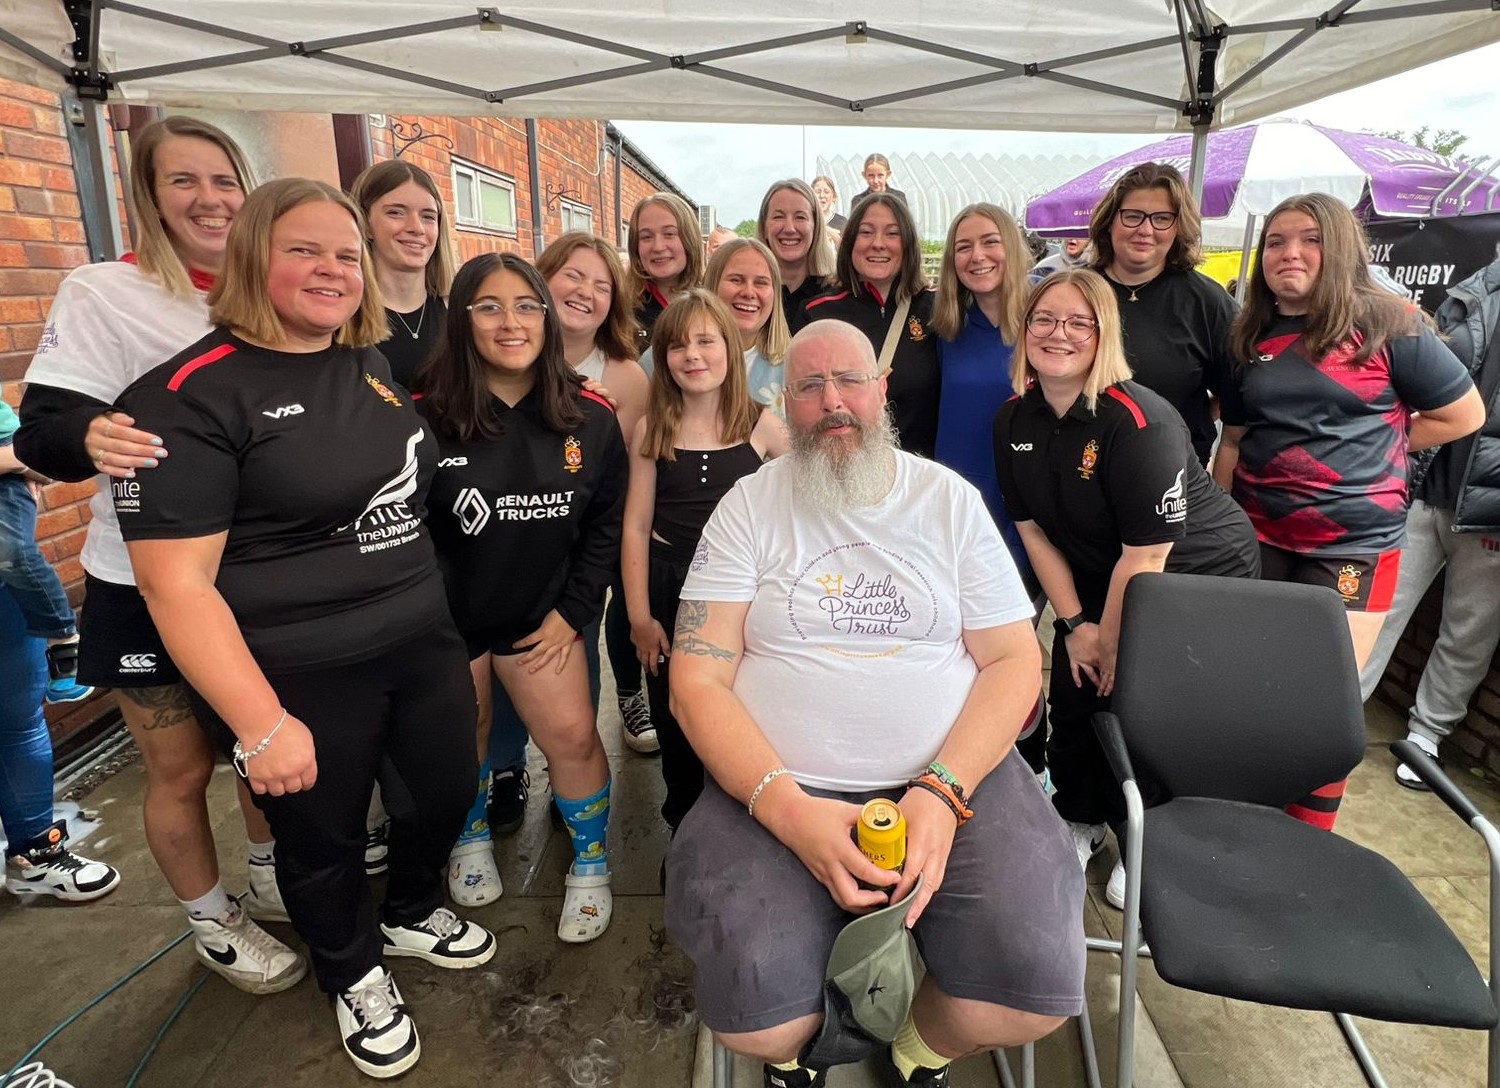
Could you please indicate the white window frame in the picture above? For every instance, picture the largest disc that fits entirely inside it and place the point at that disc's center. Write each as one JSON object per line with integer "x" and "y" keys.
{"x": 472, "y": 218}
{"x": 570, "y": 211}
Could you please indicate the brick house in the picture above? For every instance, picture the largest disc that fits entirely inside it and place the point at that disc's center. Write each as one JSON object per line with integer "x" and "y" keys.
{"x": 509, "y": 183}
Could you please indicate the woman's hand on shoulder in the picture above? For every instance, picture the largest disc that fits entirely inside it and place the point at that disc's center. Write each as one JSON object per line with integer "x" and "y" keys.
{"x": 117, "y": 448}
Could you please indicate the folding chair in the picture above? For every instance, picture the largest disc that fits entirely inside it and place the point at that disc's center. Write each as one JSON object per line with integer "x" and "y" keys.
{"x": 1234, "y": 698}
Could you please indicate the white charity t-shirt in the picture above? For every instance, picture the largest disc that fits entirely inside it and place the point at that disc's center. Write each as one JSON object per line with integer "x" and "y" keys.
{"x": 854, "y": 665}
{"x": 109, "y": 324}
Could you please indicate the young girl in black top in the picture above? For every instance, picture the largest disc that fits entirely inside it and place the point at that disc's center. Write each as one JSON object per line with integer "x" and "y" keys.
{"x": 525, "y": 513}
{"x": 700, "y": 434}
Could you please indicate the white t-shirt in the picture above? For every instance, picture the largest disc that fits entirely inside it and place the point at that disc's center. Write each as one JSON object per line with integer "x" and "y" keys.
{"x": 109, "y": 324}
{"x": 854, "y": 665}
{"x": 591, "y": 366}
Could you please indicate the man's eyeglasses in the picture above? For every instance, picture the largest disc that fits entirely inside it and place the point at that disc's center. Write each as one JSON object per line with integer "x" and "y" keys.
{"x": 1075, "y": 329}
{"x": 850, "y": 383}
{"x": 489, "y": 315}
{"x": 1134, "y": 217}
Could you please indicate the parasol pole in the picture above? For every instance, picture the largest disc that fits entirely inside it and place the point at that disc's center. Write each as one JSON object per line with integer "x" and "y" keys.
{"x": 1239, "y": 290}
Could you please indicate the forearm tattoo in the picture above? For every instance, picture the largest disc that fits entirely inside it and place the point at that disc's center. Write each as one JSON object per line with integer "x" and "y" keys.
{"x": 691, "y": 616}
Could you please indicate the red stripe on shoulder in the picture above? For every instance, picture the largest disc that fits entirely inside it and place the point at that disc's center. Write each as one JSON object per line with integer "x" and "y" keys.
{"x": 597, "y": 397}
{"x": 417, "y": 396}
{"x": 1277, "y": 344}
{"x": 1130, "y": 405}
{"x": 198, "y": 364}
{"x": 823, "y": 299}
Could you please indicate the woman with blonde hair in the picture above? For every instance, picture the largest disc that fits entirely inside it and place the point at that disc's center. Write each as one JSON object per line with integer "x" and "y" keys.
{"x": 877, "y": 174}
{"x": 1146, "y": 239}
{"x": 412, "y": 253}
{"x": 283, "y": 554}
{"x": 1337, "y": 381}
{"x": 1100, "y": 476}
{"x": 828, "y": 198}
{"x": 744, "y": 276}
{"x": 109, "y": 324}
{"x": 701, "y": 433}
{"x": 791, "y": 226}
{"x": 666, "y": 256}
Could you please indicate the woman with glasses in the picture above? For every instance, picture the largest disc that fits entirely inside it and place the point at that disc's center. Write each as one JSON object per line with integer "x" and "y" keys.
{"x": 883, "y": 293}
{"x": 1146, "y": 236}
{"x": 1100, "y": 476}
{"x": 525, "y": 512}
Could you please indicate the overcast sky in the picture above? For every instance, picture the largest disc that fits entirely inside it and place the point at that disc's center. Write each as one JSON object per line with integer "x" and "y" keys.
{"x": 729, "y": 166}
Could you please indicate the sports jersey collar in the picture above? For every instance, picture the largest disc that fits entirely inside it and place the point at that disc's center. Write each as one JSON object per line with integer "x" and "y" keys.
{"x": 976, "y": 316}
{"x": 202, "y": 281}
{"x": 1035, "y": 401}
{"x": 870, "y": 287}
{"x": 655, "y": 292}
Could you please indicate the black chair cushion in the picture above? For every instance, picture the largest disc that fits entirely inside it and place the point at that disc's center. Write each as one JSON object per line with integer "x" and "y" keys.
{"x": 1243, "y": 901}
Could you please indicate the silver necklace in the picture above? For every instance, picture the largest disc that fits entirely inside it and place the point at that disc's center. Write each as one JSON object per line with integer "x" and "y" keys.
{"x": 421, "y": 315}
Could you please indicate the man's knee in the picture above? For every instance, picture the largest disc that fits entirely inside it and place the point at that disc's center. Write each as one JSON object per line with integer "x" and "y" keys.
{"x": 781, "y": 1043}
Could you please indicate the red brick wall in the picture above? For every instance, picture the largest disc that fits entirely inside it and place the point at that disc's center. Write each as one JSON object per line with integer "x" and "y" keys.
{"x": 41, "y": 238}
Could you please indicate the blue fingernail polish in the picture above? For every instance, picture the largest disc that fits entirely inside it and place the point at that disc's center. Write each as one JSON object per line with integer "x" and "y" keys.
{"x": 151, "y": 463}
{"x": 156, "y": 441}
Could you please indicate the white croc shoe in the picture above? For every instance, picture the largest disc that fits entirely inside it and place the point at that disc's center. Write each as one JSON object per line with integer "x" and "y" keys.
{"x": 473, "y": 879}
{"x": 587, "y": 907}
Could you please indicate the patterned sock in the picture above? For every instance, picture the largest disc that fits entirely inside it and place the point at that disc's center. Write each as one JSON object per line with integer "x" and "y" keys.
{"x": 263, "y": 852}
{"x": 588, "y": 824}
{"x": 910, "y": 1053}
{"x": 477, "y": 822}
{"x": 1320, "y": 807}
{"x": 213, "y": 903}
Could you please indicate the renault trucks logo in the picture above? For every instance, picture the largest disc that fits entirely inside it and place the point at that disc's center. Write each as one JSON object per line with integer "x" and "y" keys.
{"x": 472, "y": 511}
{"x": 138, "y": 663}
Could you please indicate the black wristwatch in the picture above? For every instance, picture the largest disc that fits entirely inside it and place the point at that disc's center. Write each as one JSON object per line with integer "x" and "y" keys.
{"x": 1066, "y": 627}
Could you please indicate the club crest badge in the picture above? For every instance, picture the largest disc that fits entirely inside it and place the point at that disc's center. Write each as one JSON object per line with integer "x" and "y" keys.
{"x": 572, "y": 454}
{"x": 914, "y": 327}
{"x": 383, "y": 389}
{"x": 1348, "y": 583}
{"x": 1090, "y": 459}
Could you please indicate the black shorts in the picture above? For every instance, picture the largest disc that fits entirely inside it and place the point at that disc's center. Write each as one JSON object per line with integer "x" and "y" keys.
{"x": 1367, "y": 583}
{"x": 118, "y": 646}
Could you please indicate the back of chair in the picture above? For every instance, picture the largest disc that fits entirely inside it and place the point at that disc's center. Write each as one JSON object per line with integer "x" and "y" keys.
{"x": 1237, "y": 689}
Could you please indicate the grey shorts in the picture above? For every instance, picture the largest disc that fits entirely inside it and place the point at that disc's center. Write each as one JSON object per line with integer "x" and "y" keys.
{"x": 1005, "y": 928}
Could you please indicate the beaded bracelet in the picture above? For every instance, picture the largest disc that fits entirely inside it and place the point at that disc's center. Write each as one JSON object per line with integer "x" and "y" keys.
{"x": 936, "y": 786}
{"x": 242, "y": 757}
{"x": 770, "y": 777}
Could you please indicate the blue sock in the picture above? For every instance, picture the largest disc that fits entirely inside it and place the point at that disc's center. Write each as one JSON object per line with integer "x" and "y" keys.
{"x": 477, "y": 823}
{"x": 588, "y": 823}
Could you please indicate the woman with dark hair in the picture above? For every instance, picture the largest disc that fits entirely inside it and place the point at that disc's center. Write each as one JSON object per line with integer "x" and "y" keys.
{"x": 282, "y": 554}
{"x": 526, "y": 510}
{"x": 407, "y": 227}
{"x": 1100, "y": 476}
{"x": 883, "y": 293}
{"x": 110, "y": 323}
{"x": 1145, "y": 236}
{"x": 1337, "y": 381}
{"x": 792, "y": 227}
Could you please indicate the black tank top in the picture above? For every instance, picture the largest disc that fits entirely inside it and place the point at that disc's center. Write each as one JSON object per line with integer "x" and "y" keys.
{"x": 688, "y": 489}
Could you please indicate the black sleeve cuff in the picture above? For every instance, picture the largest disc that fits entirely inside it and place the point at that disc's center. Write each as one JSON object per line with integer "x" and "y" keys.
{"x": 53, "y": 425}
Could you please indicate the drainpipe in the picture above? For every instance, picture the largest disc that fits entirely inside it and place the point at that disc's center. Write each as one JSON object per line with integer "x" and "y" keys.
{"x": 619, "y": 157}
{"x": 538, "y": 201}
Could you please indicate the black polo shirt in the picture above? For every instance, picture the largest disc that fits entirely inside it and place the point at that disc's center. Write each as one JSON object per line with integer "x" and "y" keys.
{"x": 1127, "y": 474}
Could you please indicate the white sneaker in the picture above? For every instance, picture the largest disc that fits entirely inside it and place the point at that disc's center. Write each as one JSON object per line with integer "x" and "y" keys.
{"x": 376, "y": 848}
{"x": 1114, "y": 891}
{"x": 248, "y": 957}
{"x": 1088, "y": 840}
{"x": 378, "y": 1033}
{"x": 45, "y": 866}
{"x": 587, "y": 907}
{"x": 442, "y": 938}
{"x": 639, "y": 730}
{"x": 473, "y": 879}
{"x": 1407, "y": 777}
{"x": 263, "y": 899}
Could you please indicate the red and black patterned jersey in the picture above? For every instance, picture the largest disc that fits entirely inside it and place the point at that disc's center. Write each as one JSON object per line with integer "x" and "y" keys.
{"x": 1322, "y": 468}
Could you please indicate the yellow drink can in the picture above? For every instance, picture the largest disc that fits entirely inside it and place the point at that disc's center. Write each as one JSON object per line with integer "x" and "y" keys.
{"x": 882, "y": 834}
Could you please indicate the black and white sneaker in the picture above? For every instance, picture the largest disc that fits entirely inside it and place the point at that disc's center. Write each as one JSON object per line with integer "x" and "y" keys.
{"x": 377, "y": 845}
{"x": 263, "y": 898}
{"x": 45, "y": 866}
{"x": 378, "y": 1032}
{"x": 509, "y": 789}
{"x": 442, "y": 938}
{"x": 248, "y": 957}
{"x": 639, "y": 732}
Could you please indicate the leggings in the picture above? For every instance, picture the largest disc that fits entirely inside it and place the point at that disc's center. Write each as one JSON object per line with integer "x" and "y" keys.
{"x": 617, "y": 644}
{"x": 406, "y": 715}
{"x": 680, "y": 766}
{"x": 25, "y": 746}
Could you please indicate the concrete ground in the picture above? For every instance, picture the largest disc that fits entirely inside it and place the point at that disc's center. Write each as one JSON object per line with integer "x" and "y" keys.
{"x": 618, "y": 1013}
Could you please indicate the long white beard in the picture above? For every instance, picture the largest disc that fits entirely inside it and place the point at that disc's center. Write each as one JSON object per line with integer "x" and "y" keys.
{"x": 831, "y": 476}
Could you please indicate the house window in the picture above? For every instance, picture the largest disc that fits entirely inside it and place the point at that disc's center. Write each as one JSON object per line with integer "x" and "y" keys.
{"x": 483, "y": 199}
{"x": 577, "y": 216}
